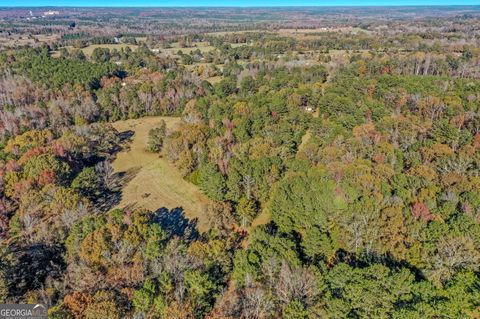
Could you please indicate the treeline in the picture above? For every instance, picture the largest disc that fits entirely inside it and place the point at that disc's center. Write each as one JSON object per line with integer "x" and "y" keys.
{"x": 40, "y": 92}
{"x": 38, "y": 66}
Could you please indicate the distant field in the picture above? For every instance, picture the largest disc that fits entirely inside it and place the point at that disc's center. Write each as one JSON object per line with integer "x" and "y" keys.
{"x": 14, "y": 40}
{"x": 297, "y": 33}
{"x": 156, "y": 183}
{"x": 312, "y": 33}
{"x": 89, "y": 49}
{"x": 221, "y": 33}
{"x": 215, "y": 79}
{"x": 202, "y": 46}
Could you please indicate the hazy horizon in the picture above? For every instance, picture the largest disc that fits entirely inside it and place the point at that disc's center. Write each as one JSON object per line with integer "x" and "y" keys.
{"x": 238, "y": 3}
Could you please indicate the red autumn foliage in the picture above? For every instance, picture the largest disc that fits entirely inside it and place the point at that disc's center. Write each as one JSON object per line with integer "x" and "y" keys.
{"x": 378, "y": 158}
{"x": 476, "y": 141}
{"x": 105, "y": 82}
{"x": 77, "y": 302}
{"x": 385, "y": 70}
{"x": 36, "y": 151}
{"x": 12, "y": 166}
{"x": 59, "y": 149}
{"x": 420, "y": 211}
{"x": 46, "y": 177}
{"x": 340, "y": 193}
{"x": 23, "y": 186}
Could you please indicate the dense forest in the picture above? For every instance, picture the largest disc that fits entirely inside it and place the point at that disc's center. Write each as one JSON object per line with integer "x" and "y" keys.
{"x": 340, "y": 164}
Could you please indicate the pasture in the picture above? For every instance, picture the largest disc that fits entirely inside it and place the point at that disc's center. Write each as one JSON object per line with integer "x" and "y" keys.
{"x": 153, "y": 182}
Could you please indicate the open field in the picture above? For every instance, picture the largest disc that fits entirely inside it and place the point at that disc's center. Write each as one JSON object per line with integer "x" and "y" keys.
{"x": 155, "y": 183}
{"x": 296, "y": 33}
{"x": 32, "y": 40}
{"x": 222, "y": 33}
{"x": 312, "y": 33}
{"x": 175, "y": 47}
{"x": 89, "y": 49}
{"x": 203, "y": 46}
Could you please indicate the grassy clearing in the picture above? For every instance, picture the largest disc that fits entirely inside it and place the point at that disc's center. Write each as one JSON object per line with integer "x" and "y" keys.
{"x": 89, "y": 49}
{"x": 222, "y": 33}
{"x": 215, "y": 79}
{"x": 22, "y": 40}
{"x": 316, "y": 33}
{"x": 262, "y": 219}
{"x": 175, "y": 47}
{"x": 155, "y": 183}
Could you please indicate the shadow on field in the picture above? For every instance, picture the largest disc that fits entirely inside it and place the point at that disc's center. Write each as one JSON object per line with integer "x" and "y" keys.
{"x": 123, "y": 178}
{"x": 114, "y": 182}
{"x": 113, "y": 195}
{"x": 125, "y": 136}
{"x": 175, "y": 223}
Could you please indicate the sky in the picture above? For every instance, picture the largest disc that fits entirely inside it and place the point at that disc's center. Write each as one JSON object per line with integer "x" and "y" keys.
{"x": 234, "y": 3}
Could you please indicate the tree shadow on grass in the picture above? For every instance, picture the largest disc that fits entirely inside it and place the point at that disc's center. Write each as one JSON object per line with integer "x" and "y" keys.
{"x": 123, "y": 143}
{"x": 111, "y": 193}
{"x": 175, "y": 223}
{"x": 113, "y": 196}
{"x": 125, "y": 136}
{"x": 123, "y": 178}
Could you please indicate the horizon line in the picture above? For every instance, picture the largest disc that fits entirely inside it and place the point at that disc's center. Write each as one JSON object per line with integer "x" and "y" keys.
{"x": 247, "y": 6}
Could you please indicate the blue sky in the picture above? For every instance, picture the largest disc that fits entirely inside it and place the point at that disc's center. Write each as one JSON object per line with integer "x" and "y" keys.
{"x": 247, "y": 3}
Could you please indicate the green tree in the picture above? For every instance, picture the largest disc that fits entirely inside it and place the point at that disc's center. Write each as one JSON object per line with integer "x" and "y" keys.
{"x": 357, "y": 292}
{"x": 156, "y": 137}
{"x": 246, "y": 211}
{"x": 87, "y": 182}
{"x": 212, "y": 182}
{"x": 101, "y": 55}
{"x": 3, "y": 286}
{"x": 295, "y": 310}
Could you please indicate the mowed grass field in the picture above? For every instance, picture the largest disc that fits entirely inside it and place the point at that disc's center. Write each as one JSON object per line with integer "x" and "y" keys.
{"x": 204, "y": 47}
{"x": 88, "y": 50}
{"x": 155, "y": 183}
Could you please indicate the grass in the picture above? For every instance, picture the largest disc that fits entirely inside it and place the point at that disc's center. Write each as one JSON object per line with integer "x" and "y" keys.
{"x": 262, "y": 219}
{"x": 303, "y": 34}
{"x": 175, "y": 47}
{"x": 204, "y": 47}
{"x": 156, "y": 183}
{"x": 215, "y": 79}
{"x": 88, "y": 50}
{"x": 22, "y": 40}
